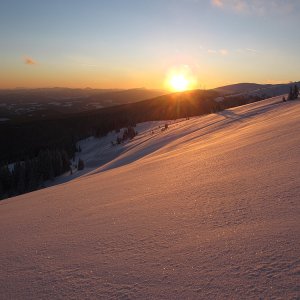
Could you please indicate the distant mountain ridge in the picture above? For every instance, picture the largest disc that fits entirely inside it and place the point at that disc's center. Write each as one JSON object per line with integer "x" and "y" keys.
{"x": 240, "y": 88}
{"x": 254, "y": 89}
{"x": 45, "y": 102}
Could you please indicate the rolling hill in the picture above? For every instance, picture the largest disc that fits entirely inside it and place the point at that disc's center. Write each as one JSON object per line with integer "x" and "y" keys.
{"x": 207, "y": 209}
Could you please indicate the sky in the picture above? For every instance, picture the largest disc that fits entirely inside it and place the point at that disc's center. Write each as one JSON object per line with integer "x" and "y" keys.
{"x": 139, "y": 43}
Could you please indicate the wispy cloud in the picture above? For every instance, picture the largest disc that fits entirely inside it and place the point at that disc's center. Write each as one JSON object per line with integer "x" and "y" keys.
{"x": 218, "y": 3}
{"x": 252, "y": 50}
{"x": 29, "y": 61}
{"x": 225, "y": 52}
{"x": 211, "y": 51}
{"x": 247, "y": 51}
{"x": 222, "y": 52}
{"x": 258, "y": 7}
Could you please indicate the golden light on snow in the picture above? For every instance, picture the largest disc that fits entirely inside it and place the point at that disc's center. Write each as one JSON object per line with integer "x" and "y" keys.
{"x": 180, "y": 79}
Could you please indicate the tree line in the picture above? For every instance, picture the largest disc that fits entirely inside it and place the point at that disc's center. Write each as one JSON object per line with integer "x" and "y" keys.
{"x": 294, "y": 92}
{"x": 29, "y": 175}
{"x": 128, "y": 134}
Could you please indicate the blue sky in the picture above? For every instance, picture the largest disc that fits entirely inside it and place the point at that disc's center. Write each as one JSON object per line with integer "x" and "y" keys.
{"x": 134, "y": 43}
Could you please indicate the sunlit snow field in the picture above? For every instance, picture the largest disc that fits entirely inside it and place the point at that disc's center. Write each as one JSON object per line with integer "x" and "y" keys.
{"x": 207, "y": 209}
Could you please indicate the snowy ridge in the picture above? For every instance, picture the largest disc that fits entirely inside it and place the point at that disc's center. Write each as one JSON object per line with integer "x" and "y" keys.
{"x": 208, "y": 209}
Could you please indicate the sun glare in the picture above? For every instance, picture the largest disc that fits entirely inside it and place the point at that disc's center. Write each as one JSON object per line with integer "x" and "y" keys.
{"x": 180, "y": 79}
{"x": 179, "y": 83}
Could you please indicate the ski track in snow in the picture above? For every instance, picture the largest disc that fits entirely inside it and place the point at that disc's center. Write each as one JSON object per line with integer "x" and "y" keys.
{"x": 208, "y": 209}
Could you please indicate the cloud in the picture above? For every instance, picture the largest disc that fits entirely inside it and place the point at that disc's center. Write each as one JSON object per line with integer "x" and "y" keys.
{"x": 235, "y": 5}
{"x": 250, "y": 51}
{"x": 222, "y": 52}
{"x": 241, "y": 6}
{"x": 258, "y": 7}
{"x": 211, "y": 51}
{"x": 29, "y": 61}
{"x": 254, "y": 51}
{"x": 218, "y": 3}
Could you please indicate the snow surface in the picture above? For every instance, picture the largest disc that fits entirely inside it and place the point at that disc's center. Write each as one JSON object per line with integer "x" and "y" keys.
{"x": 96, "y": 152}
{"x": 208, "y": 209}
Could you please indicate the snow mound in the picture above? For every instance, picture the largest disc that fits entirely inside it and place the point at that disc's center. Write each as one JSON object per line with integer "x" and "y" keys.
{"x": 207, "y": 209}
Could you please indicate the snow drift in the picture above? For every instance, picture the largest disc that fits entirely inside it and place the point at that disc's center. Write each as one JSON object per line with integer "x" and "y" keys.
{"x": 208, "y": 209}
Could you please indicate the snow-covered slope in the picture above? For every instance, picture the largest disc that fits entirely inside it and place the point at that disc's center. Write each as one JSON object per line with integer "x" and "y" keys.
{"x": 96, "y": 151}
{"x": 208, "y": 209}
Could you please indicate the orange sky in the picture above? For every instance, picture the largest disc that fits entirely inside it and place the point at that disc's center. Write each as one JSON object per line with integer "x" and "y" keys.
{"x": 114, "y": 44}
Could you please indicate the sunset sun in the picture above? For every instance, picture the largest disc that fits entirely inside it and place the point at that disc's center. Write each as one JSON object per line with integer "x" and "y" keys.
{"x": 180, "y": 78}
{"x": 179, "y": 82}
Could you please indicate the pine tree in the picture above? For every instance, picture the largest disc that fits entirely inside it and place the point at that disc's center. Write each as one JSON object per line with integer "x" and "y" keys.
{"x": 6, "y": 178}
{"x": 80, "y": 164}
{"x": 32, "y": 183}
{"x": 51, "y": 174}
{"x": 20, "y": 175}
{"x": 296, "y": 91}
{"x": 57, "y": 163}
{"x": 1, "y": 190}
{"x": 291, "y": 94}
{"x": 65, "y": 161}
